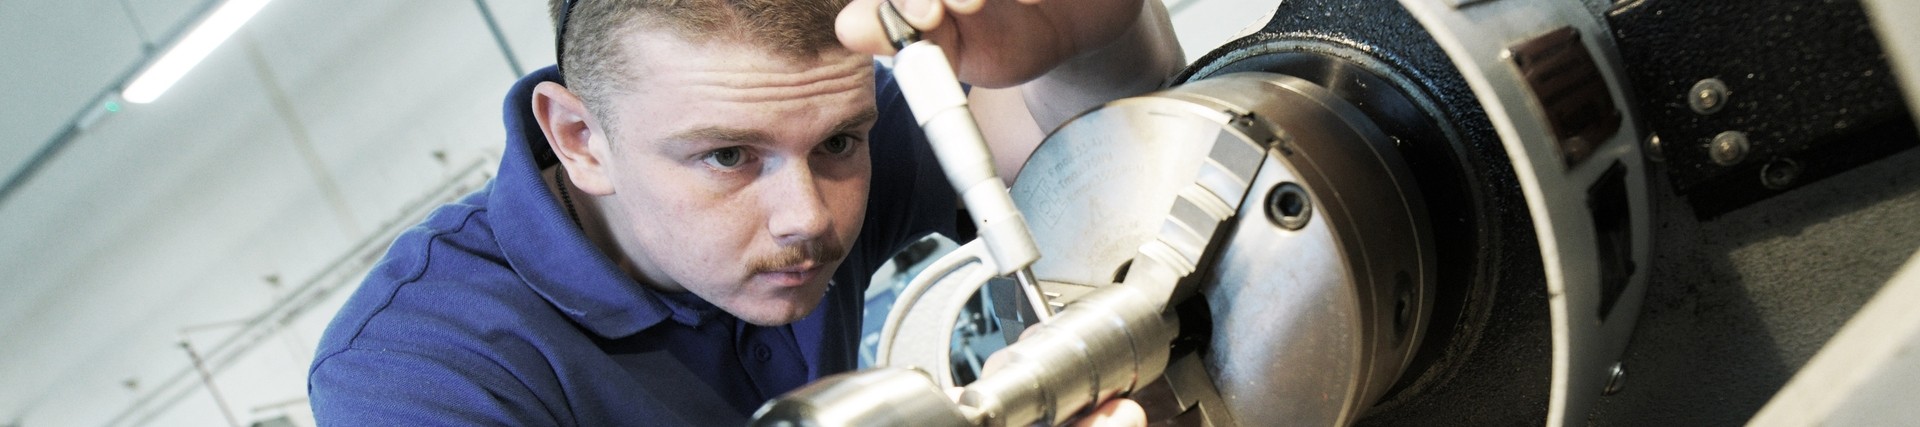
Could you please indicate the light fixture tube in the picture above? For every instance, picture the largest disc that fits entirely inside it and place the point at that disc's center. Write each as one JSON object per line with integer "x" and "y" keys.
{"x": 185, "y": 54}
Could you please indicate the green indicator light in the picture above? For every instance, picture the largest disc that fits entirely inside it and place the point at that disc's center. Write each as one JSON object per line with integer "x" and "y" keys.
{"x": 113, "y": 107}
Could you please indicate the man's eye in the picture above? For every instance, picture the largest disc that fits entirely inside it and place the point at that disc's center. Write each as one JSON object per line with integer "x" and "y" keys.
{"x": 726, "y": 158}
{"x": 840, "y": 144}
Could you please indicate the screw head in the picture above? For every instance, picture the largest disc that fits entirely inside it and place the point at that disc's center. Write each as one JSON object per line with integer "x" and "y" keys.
{"x": 1288, "y": 206}
{"x": 1707, "y": 96}
{"x": 1728, "y": 148}
{"x": 1779, "y": 173}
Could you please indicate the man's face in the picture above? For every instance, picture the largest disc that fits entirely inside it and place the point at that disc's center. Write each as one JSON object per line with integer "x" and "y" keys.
{"x": 738, "y": 174}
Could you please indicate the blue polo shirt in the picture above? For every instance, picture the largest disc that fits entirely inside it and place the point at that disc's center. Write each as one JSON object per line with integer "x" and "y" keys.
{"x": 497, "y": 311}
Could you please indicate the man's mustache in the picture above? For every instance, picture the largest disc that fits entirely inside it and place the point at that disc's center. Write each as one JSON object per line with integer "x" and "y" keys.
{"x": 820, "y": 251}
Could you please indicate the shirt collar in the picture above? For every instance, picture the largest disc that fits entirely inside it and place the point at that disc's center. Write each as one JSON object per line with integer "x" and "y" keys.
{"x": 549, "y": 251}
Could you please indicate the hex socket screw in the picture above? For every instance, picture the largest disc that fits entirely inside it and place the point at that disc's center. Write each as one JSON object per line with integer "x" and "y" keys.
{"x": 1288, "y": 206}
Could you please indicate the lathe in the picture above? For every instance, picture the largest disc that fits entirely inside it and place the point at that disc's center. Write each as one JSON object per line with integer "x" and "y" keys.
{"x": 1404, "y": 212}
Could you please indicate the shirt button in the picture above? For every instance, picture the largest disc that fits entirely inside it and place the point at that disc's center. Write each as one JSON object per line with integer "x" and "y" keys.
{"x": 761, "y": 352}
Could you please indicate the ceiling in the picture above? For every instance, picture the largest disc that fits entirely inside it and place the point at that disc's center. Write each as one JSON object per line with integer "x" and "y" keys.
{"x": 309, "y": 128}
{"x": 307, "y": 132}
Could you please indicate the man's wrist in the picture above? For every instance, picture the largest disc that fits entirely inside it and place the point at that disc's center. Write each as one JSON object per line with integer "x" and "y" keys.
{"x": 1137, "y": 62}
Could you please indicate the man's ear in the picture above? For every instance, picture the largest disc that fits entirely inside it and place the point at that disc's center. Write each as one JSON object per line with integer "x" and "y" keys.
{"x": 574, "y": 135}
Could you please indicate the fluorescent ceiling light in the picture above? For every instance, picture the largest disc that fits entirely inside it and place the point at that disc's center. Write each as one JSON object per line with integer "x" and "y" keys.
{"x": 189, "y": 50}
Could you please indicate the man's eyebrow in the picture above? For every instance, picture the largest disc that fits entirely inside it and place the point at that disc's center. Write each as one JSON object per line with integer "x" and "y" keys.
{"x": 854, "y": 121}
{"x": 722, "y": 134}
{"x": 744, "y": 136}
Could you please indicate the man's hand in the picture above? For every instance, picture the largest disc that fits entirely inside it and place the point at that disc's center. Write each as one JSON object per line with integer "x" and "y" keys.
{"x": 996, "y": 43}
{"x": 1033, "y": 63}
{"x": 1115, "y": 413}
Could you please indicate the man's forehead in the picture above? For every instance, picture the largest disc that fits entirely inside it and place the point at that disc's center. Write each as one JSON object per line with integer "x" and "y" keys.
{"x": 675, "y": 72}
{"x": 655, "y": 51}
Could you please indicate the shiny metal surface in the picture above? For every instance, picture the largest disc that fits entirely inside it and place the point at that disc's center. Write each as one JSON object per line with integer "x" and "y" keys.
{"x": 917, "y": 333}
{"x": 1104, "y": 183}
{"x": 1111, "y": 341}
{"x": 875, "y": 397}
{"x": 1310, "y": 326}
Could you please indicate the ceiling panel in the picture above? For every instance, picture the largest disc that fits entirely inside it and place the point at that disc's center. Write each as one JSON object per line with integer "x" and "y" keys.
{"x": 433, "y": 62}
{"x": 169, "y": 214}
{"x": 158, "y": 19}
{"x": 59, "y": 56}
{"x": 132, "y": 216}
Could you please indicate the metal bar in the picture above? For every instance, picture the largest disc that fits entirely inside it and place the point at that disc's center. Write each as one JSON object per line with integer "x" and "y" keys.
{"x": 206, "y": 378}
{"x": 499, "y": 37}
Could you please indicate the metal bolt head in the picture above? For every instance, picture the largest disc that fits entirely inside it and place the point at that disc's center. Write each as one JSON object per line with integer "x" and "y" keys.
{"x": 1616, "y": 379}
{"x": 1728, "y": 148}
{"x": 1779, "y": 173}
{"x": 1707, "y": 96}
{"x": 1288, "y": 206}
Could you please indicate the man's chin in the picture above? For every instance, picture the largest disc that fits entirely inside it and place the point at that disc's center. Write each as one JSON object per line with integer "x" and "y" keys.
{"x": 773, "y": 317}
{"x": 783, "y": 307}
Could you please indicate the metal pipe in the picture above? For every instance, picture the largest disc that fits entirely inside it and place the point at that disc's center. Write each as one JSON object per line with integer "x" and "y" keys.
{"x": 499, "y": 38}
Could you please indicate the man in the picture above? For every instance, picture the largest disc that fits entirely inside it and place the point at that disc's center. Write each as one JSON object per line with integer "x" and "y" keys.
{"x": 679, "y": 229}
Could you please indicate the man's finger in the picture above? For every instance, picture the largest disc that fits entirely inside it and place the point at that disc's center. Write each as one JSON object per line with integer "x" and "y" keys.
{"x": 858, "y": 27}
{"x": 1115, "y": 413}
{"x": 964, "y": 7}
{"x": 922, "y": 14}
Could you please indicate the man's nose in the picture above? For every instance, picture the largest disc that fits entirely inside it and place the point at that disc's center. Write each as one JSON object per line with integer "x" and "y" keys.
{"x": 796, "y": 212}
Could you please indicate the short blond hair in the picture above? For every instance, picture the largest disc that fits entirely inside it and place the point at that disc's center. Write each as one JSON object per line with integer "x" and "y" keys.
{"x": 594, "y": 66}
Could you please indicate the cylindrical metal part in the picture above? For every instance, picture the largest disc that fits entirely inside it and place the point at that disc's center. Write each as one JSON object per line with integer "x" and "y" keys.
{"x": 1108, "y": 342}
{"x": 874, "y": 397}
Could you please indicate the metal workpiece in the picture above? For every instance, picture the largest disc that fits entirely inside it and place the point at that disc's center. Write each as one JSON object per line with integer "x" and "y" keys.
{"x": 874, "y": 397}
{"x": 1109, "y": 342}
